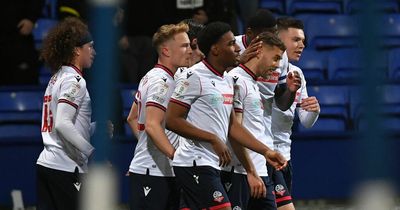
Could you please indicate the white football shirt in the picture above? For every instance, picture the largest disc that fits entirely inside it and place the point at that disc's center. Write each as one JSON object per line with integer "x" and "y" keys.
{"x": 155, "y": 89}
{"x": 267, "y": 85}
{"x": 283, "y": 120}
{"x": 247, "y": 100}
{"x": 66, "y": 86}
{"x": 209, "y": 96}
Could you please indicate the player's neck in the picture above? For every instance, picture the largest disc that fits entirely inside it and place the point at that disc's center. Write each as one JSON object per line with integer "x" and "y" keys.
{"x": 170, "y": 67}
{"x": 217, "y": 65}
{"x": 252, "y": 66}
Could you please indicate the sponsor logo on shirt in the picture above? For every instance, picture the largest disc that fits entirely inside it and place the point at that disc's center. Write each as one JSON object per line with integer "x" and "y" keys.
{"x": 228, "y": 98}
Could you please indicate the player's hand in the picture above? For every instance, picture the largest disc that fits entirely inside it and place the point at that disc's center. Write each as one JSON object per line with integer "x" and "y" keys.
{"x": 310, "y": 104}
{"x": 251, "y": 51}
{"x": 275, "y": 159}
{"x": 222, "y": 151}
{"x": 293, "y": 81}
{"x": 256, "y": 185}
{"x": 25, "y": 27}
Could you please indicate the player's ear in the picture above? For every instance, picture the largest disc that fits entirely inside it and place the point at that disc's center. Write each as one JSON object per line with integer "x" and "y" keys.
{"x": 214, "y": 49}
{"x": 165, "y": 51}
{"x": 77, "y": 51}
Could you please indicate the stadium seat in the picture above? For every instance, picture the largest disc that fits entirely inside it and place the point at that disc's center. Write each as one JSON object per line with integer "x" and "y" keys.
{"x": 394, "y": 64}
{"x": 330, "y": 31}
{"x": 128, "y": 96}
{"x": 20, "y": 113}
{"x": 313, "y": 65}
{"x": 391, "y": 99}
{"x": 275, "y": 6}
{"x": 44, "y": 75}
{"x": 334, "y": 103}
{"x": 42, "y": 27}
{"x": 313, "y": 6}
{"x": 344, "y": 64}
{"x": 390, "y": 29}
{"x": 387, "y": 6}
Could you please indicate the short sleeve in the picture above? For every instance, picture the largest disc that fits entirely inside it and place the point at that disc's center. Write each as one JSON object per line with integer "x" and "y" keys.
{"x": 284, "y": 66}
{"x": 187, "y": 90}
{"x": 239, "y": 88}
{"x": 72, "y": 91}
{"x": 159, "y": 93}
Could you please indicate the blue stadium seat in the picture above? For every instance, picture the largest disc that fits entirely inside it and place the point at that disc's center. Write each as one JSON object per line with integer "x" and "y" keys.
{"x": 390, "y": 29}
{"x": 313, "y": 6}
{"x": 334, "y": 102}
{"x": 344, "y": 64}
{"x": 394, "y": 64}
{"x": 313, "y": 65}
{"x": 20, "y": 101}
{"x": 275, "y": 6}
{"x": 387, "y": 6}
{"x": 42, "y": 27}
{"x": 333, "y": 99}
{"x": 331, "y": 31}
{"x": 128, "y": 96}
{"x": 325, "y": 124}
{"x": 20, "y": 113}
{"x": 391, "y": 99}
{"x": 44, "y": 75}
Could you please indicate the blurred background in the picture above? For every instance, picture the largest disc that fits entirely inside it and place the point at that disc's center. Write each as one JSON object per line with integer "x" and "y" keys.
{"x": 351, "y": 63}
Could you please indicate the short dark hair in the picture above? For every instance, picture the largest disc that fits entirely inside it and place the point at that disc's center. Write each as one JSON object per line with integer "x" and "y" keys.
{"x": 261, "y": 20}
{"x": 194, "y": 28}
{"x": 211, "y": 34}
{"x": 271, "y": 39}
{"x": 284, "y": 23}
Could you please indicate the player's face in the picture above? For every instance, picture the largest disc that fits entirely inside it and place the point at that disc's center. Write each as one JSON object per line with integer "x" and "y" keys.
{"x": 181, "y": 52}
{"x": 228, "y": 50}
{"x": 197, "y": 55}
{"x": 293, "y": 39}
{"x": 87, "y": 54}
{"x": 269, "y": 60}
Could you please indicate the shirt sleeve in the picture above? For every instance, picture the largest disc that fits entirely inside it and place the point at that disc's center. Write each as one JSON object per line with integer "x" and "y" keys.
{"x": 307, "y": 119}
{"x": 188, "y": 89}
{"x": 283, "y": 66}
{"x": 72, "y": 91}
{"x": 159, "y": 92}
{"x": 240, "y": 91}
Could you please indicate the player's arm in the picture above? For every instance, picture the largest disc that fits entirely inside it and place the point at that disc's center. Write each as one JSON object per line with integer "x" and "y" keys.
{"x": 132, "y": 119}
{"x": 309, "y": 108}
{"x": 154, "y": 128}
{"x": 176, "y": 122}
{"x": 256, "y": 184}
{"x": 241, "y": 135}
{"x": 285, "y": 95}
{"x": 65, "y": 127}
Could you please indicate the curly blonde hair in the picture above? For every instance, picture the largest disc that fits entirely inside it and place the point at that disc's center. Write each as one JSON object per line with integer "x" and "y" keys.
{"x": 59, "y": 45}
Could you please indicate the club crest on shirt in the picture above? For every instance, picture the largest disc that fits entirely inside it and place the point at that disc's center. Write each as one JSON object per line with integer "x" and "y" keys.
{"x": 218, "y": 197}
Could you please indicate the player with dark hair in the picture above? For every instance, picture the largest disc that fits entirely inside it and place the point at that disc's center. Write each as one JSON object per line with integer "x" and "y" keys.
{"x": 201, "y": 112}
